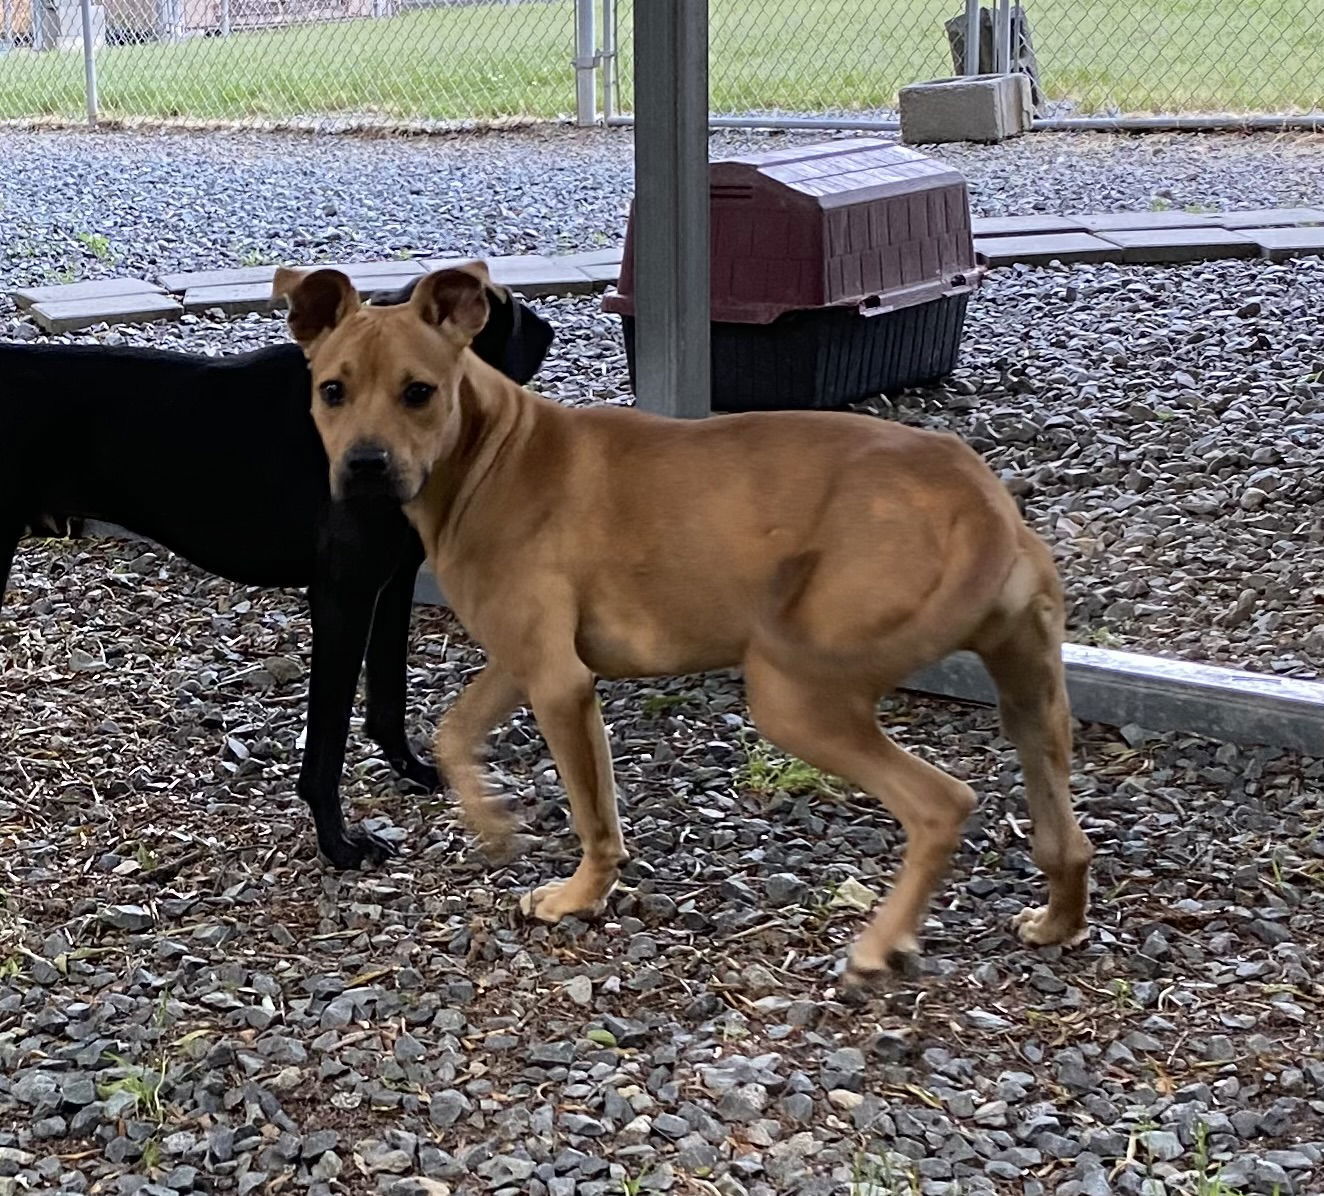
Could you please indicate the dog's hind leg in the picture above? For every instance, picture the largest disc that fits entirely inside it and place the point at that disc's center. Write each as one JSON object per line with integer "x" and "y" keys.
{"x": 1023, "y": 653}
{"x": 834, "y": 726}
{"x": 386, "y": 675}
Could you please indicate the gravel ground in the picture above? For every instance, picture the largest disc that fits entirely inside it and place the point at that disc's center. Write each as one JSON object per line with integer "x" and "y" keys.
{"x": 189, "y": 1002}
{"x": 186, "y": 997}
{"x": 180, "y": 201}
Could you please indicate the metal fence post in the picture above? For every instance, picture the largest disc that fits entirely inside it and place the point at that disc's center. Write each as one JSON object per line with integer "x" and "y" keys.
{"x": 586, "y": 64}
{"x": 1002, "y": 38}
{"x": 607, "y": 57}
{"x": 670, "y": 238}
{"x": 972, "y": 37}
{"x": 89, "y": 61}
{"x": 225, "y": 18}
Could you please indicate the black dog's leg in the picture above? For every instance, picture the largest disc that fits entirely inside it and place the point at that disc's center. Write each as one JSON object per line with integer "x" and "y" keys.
{"x": 9, "y": 537}
{"x": 358, "y": 551}
{"x": 342, "y": 613}
{"x": 388, "y": 655}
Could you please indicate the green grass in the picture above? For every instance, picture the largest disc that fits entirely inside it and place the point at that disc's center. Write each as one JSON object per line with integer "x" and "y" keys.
{"x": 487, "y": 61}
{"x": 766, "y": 772}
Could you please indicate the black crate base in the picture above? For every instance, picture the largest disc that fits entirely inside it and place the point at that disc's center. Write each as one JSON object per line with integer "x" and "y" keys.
{"x": 828, "y": 358}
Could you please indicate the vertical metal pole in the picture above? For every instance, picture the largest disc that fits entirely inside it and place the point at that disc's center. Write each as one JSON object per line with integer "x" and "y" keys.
{"x": 586, "y": 64}
{"x": 7, "y": 37}
{"x": 608, "y": 41}
{"x": 972, "y": 37}
{"x": 225, "y": 18}
{"x": 670, "y": 236}
{"x": 89, "y": 61}
{"x": 1002, "y": 38}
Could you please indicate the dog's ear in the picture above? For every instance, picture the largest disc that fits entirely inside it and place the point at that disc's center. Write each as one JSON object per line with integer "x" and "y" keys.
{"x": 515, "y": 339}
{"x": 318, "y": 302}
{"x": 454, "y": 300}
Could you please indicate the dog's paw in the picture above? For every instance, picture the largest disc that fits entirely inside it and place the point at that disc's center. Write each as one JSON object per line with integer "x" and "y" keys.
{"x": 494, "y": 821}
{"x": 1037, "y": 927}
{"x": 416, "y": 771}
{"x": 560, "y": 899}
{"x": 507, "y": 849}
{"x": 356, "y": 850}
{"x": 866, "y": 974}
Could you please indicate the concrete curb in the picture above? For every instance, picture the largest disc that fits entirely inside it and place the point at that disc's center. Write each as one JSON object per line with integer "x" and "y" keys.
{"x": 1151, "y": 238}
{"x": 248, "y": 288}
{"x": 1274, "y": 234}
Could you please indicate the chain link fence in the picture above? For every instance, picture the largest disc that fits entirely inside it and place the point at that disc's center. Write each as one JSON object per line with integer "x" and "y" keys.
{"x": 1095, "y": 57}
{"x": 419, "y": 62}
{"x": 299, "y": 61}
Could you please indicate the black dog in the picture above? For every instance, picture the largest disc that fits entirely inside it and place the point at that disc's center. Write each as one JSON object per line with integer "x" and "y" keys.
{"x": 217, "y": 460}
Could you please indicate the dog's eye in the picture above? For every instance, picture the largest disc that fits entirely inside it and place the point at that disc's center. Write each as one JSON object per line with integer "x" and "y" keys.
{"x": 417, "y": 394}
{"x": 333, "y": 393}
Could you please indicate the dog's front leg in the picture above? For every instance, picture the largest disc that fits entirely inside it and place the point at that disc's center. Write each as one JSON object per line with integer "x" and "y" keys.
{"x": 341, "y": 617}
{"x": 9, "y": 537}
{"x": 566, "y": 707}
{"x": 484, "y": 702}
{"x": 386, "y": 675}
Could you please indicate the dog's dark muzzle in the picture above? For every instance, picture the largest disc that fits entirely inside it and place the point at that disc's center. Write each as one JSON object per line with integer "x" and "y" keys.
{"x": 368, "y": 472}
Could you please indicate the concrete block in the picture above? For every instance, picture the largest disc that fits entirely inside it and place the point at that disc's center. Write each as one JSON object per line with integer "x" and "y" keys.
{"x": 530, "y": 275}
{"x": 602, "y": 275}
{"x": 1269, "y": 217}
{"x": 376, "y": 278}
{"x": 433, "y": 264}
{"x": 1022, "y": 226}
{"x": 179, "y": 283}
{"x": 1103, "y": 222}
{"x": 965, "y": 108}
{"x": 101, "y": 288}
{"x": 592, "y": 257}
{"x": 1159, "y": 245}
{"x": 1051, "y": 247}
{"x": 400, "y": 271}
{"x": 1279, "y": 244}
{"x": 72, "y": 315}
{"x": 534, "y": 275}
{"x": 235, "y": 300}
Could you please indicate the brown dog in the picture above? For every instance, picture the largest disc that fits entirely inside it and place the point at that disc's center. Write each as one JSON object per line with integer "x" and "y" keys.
{"x": 827, "y": 555}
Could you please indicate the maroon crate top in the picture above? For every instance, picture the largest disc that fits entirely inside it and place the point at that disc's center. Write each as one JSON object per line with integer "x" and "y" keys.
{"x": 859, "y": 221}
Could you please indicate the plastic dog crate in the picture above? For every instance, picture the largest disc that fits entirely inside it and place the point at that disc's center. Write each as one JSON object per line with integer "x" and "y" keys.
{"x": 838, "y": 271}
